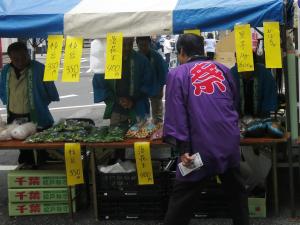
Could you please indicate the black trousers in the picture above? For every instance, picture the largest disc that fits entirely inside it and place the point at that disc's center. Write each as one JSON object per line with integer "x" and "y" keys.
{"x": 182, "y": 203}
{"x": 210, "y": 55}
{"x": 168, "y": 55}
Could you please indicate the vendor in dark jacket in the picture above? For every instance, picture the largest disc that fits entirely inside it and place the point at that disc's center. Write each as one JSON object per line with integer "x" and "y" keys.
{"x": 257, "y": 91}
{"x": 126, "y": 99}
{"x": 25, "y": 94}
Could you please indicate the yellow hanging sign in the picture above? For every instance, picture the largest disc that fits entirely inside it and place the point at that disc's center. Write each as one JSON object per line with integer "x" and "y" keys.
{"x": 73, "y": 52}
{"x": 53, "y": 57}
{"x": 272, "y": 45}
{"x": 243, "y": 45}
{"x": 73, "y": 164}
{"x": 114, "y": 49}
{"x": 195, "y": 31}
{"x": 143, "y": 163}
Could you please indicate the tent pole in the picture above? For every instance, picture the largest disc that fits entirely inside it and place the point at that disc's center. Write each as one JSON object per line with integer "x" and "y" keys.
{"x": 288, "y": 110}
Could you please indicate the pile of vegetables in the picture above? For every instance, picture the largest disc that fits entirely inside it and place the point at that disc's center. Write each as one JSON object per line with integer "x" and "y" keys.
{"x": 107, "y": 134}
{"x": 78, "y": 131}
{"x": 143, "y": 129}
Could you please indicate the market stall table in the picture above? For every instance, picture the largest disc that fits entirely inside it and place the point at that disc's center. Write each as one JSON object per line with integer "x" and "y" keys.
{"x": 272, "y": 142}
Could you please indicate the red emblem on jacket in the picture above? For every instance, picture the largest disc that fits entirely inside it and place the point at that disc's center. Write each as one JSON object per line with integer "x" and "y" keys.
{"x": 205, "y": 77}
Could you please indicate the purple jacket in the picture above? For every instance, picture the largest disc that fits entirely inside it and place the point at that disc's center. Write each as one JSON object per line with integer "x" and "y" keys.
{"x": 200, "y": 111}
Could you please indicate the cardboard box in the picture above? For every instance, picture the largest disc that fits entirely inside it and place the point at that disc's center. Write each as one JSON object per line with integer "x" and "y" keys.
{"x": 36, "y": 178}
{"x": 257, "y": 207}
{"x": 39, "y": 195}
{"x": 38, "y": 208}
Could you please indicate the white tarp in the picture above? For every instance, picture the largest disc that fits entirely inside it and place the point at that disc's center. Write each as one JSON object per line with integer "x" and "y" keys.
{"x": 95, "y": 18}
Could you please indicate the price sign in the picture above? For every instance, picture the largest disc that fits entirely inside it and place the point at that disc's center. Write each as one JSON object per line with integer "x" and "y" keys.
{"x": 197, "y": 32}
{"x": 73, "y": 52}
{"x": 272, "y": 45}
{"x": 73, "y": 164}
{"x": 243, "y": 45}
{"x": 53, "y": 57}
{"x": 143, "y": 163}
{"x": 114, "y": 49}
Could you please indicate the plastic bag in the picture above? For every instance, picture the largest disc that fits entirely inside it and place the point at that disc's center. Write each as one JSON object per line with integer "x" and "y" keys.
{"x": 134, "y": 129}
{"x": 23, "y": 131}
{"x": 146, "y": 130}
{"x": 142, "y": 129}
{"x": 6, "y": 133}
{"x": 158, "y": 134}
{"x": 274, "y": 130}
{"x": 256, "y": 129}
{"x": 97, "y": 55}
{"x": 2, "y": 123}
{"x": 264, "y": 128}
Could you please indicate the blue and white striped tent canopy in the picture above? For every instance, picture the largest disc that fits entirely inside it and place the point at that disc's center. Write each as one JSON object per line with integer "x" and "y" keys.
{"x": 95, "y": 18}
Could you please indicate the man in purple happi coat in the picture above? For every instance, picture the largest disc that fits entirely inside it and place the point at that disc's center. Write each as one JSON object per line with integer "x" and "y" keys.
{"x": 201, "y": 118}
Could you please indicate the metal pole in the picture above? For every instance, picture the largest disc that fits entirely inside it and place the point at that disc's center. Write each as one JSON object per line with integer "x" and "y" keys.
{"x": 93, "y": 171}
{"x": 275, "y": 179}
{"x": 288, "y": 111}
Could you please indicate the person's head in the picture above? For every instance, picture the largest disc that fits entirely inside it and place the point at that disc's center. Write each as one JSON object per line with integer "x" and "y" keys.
{"x": 189, "y": 45}
{"x": 143, "y": 44}
{"x": 127, "y": 46}
{"x": 210, "y": 36}
{"x": 18, "y": 54}
{"x": 168, "y": 37}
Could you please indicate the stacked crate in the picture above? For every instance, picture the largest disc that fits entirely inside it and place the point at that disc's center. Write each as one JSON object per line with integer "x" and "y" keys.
{"x": 120, "y": 196}
{"x": 35, "y": 192}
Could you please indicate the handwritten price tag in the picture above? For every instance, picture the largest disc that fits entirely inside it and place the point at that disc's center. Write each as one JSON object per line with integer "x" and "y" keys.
{"x": 272, "y": 45}
{"x": 143, "y": 163}
{"x": 73, "y": 164}
{"x": 114, "y": 48}
{"x": 73, "y": 52}
{"x": 197, "y": 32}
{"x": 243, "y": 45}
{"x": 53, "y": 57}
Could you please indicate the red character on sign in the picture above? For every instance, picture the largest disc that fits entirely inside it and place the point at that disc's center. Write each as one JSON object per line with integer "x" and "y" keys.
{"x": 21, "y": 195}
{"x": 205, "y": 77}
{"x": 34, "y": 195}
{"x": 34, "y": 181}
{"x": 21, "y": 208}
{"x": 35, "y": 208}
{"x": 20, "y": 180}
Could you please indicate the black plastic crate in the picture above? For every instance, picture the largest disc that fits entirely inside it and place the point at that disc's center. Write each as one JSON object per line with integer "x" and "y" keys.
{"x": 136, "y": 208}
{"x": 128, "y": 182}
{"x": 145, "y": 194}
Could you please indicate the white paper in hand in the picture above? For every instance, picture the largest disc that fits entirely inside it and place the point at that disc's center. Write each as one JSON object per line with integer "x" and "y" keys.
{"x": 195, "y": 164}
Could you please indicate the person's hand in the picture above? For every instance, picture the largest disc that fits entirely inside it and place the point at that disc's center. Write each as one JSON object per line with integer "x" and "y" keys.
{"x": 186, "y": 159}
{"x": 126, "y": 103}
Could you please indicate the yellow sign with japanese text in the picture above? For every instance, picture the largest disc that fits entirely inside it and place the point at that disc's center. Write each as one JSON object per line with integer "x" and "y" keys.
{"x": 73, "y": 164}
{"x": 272, "y": 45}
{"x": 143, "y": 163}
{"x": 114, "y": 50}
{"x": 195, "y": 31}
{"x": 54, "y": 50}
{"x": 73, "y": 52}
{"x": 243, "y": 45}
